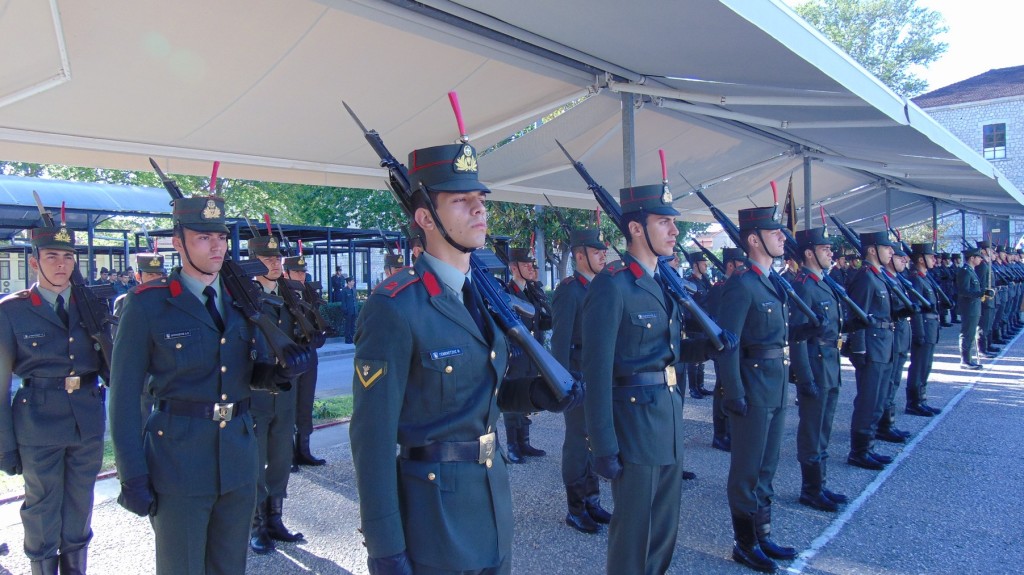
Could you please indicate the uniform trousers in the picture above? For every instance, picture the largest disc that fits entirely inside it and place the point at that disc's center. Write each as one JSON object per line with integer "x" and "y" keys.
{"x": 642, "y": 534}
{"x": 814, "y": 431}
{"x": 59, "y": 482}
{"x": 504, "y": 568}
{"x": 576, "y": 463}
{"x": 274, "y": 416}
{"x": 203, "y": 535}
{"x": 756, "y": 438}
{"x": 921, "y": 357}
{"x": 305, "y": 393}
{"x": 873, "y": 382}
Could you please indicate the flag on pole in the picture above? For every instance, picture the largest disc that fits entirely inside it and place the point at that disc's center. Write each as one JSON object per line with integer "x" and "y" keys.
{"x": 790, "y": 208}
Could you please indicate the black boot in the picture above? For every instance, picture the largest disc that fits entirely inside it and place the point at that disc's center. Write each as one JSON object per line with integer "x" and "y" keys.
{"x": 810, "y": 489}
{"x": 259, "y": 540}
{"x": 592, "y": 498}
{"x": 577, "y": 517}
{"x": 720, "y": 425}
{"x": 302, "y": 454}
{"x": 860, "y": 448}
{"x": 512, "y": 444}
{"x": 763, "y": 528}
{"x": 74, "y": 562}
{"x": 275, "y": 527}
{"x": 838, "y": 498}
{"x": 723, "y": 443}
{"x": 46, "y": 566}
{"x": 524, "y": 443}
{"x": 746, "y": 550}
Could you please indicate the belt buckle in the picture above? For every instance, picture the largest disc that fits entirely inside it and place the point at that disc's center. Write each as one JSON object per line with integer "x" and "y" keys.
{"x": 223, "y": 411}
{"x": 487, "y": 446}
{"x": 670, "y": 376}
{"x": 72, "y": 382}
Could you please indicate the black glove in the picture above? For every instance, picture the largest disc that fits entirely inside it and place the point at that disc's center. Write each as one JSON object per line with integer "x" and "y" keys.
{"x": 808, "y": 389}
{"x": 137, "y": 496}
{"x": 10, "y": 463}
{"x": 295, "y": 362}
{"x": 727, "y": 338}
{"x": 397, "y": 564}
{"x": 855, "y": 323}
{"x": 736, "y": 406}
{"x": 806, "y": 331}
{"x": 543, "y": 398}
{"x": 319, "y": 339}
{"x": 990, "y": 292}
{"x": 608, "y": 466}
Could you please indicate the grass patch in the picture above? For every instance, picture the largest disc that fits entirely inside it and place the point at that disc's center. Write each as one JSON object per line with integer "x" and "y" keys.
{"x": 332, "y": 409}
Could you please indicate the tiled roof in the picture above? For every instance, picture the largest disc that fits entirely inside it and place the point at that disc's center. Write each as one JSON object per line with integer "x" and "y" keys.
{"x": 999, "y": 83}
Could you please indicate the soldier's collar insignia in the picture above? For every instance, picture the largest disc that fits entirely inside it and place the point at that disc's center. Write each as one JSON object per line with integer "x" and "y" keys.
{"x": 272, "y": 243}
{"x": 369, "y": 371}
{"x": 466, "y": 162}
{"x": 62, "y": 236}
{"x": 212, "y": 211}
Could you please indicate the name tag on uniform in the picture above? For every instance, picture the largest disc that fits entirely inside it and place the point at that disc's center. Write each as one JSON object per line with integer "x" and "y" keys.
{"x": 178, "y": 334}
{"x": 443, "y": 353}
{"x": 647, "y": 315}
{"x": 32, "y": 335}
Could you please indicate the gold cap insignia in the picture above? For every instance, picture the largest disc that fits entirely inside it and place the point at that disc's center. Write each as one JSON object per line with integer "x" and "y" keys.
{"x": 211, "y": 212}
{"x": 600, "y": 236}
{"x": 301, "y": 261}
{"x": 666, "y": 196}
{"x": 467, "y": 161}
{"x": 401, "y": 259}
{"x": 272, "y": 243}
{"x": 62, "y": 236}
{"x": 824, "y": 233}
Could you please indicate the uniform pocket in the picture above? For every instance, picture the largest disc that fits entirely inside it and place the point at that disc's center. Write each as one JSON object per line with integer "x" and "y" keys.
{"x": 444, "y": 367}
{"x": 646, "y": 323}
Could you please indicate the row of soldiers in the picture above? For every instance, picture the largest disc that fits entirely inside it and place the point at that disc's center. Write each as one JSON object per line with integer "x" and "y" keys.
{"x": 226, "y": 409}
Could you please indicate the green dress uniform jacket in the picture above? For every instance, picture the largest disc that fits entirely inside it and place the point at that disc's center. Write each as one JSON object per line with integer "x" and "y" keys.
{"x": 968, "y": 302}
{"x": 424, "y": 376}
{"x": 567, "y": 349}
{"x": 924, "y": 328}
{"x": 816, "y": 360}
{"x": 59, "y": 434}
{"x": 757, "y": 311}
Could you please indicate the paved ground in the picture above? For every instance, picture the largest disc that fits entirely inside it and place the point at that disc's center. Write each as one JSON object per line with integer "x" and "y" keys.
{"x": 949, "y": 504}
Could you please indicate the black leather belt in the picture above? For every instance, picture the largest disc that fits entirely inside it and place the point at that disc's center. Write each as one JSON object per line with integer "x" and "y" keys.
{"x": 770, "y": 353}
{"x": 481, "y": 451}
{"x": 69, "y": 384}
{"x": 666, "y": 376}
{"x": 823, "y": 342}
{"x": 222, "y": 411}
{"x": 884, "y": 325}
{"x": 930, "y": 316}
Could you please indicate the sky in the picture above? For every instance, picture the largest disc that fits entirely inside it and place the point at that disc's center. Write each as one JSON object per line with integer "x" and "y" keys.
{"x": 982, "y": 36}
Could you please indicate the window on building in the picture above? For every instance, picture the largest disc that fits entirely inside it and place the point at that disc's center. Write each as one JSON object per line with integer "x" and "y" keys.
{"x": 5, "y": 270}
{"x": 994, "y": 141}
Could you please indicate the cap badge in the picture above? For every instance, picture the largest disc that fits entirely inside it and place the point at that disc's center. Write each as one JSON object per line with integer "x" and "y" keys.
{"x": 600, "y": 236}
{"x": 272, "y": 243}
{"x": 211, "y": 211}
{"x": 62, "y": 236}
{"x": 466, "y": 163}
{"x": 401, "y": 259}
{"x": 301, "y": 261}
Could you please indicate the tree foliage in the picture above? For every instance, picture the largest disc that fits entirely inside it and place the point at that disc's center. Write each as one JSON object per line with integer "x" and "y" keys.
{"x": 887, "y": 37}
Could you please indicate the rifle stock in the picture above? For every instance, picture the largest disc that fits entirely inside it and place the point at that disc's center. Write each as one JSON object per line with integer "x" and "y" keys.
{"x": 669, "y": 276}
{"x": 496, "y": 300}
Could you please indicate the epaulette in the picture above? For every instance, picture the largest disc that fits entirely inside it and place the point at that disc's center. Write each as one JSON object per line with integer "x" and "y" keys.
{"x": 157, "y": 284}
{"x": 566, "y": 280}
{"x": 633, "y": 267}
{"x": 23, "y": 294}
{"x": 397, "y": 282}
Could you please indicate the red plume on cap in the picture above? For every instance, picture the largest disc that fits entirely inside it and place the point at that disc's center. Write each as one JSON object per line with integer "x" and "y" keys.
{"x": 664, "y": 167}
{"x": 266, "y": 218}
{"x": 454, "y": 99}
{"x": 300, "y": 247}
{"x": 213, "y": 179}
{"x": 63, "y": 219}
{"x": 821, "y": 209}
{"x": 156, "y": 245}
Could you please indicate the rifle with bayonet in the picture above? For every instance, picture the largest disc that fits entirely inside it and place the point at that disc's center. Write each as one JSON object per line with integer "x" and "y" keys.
{"x": 673, "y": 282}
{"x": 95, "y": 312}
{"x": 940, "y": 295}
{"x": 495, "y": 298}
{"x": 734, "y": 234}
{"x": 792, "y": 248}
{"x": 853, "y": 240}
{"x": 249, "y": 298}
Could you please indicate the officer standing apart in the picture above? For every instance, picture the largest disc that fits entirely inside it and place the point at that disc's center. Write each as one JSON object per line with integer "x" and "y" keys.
{"x": 53, "y": 432}
{"x": 428, "y": 367}
{"x": 336, "y": 284}
{"x": 296, "y": 269}
{"x": 924, "y": 328}
{"x": 193, "y": 467}
{"x": 815, "y": 370}
{"x": 755, "y": 376}
{"x": 273, "y": 415}
{"x": 735, "y": 262}
{"x": 348, "y": 305}
{"x": 871, "y": 350}
{"x": 969, "y": 293}
{"x": 631, "y": 345}
{"x": 582, "y": 486}
{"x": 524, "y": 285}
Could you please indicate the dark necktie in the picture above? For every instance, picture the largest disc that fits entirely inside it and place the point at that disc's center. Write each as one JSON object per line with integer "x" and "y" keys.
{"x": 664, "y": 291}
{"x": 777, "y": 282}
{"x": 211, "y": 306}
{"x": 470, "y": 300}
{"x": 62, "y": 313}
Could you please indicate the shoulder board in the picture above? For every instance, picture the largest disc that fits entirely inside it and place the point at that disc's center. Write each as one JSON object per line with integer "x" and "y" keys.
{"x": 566, "y": 280}
{"x": 397, "y": 282}
{"x": 740, "y": 271}
{"x": 615, "y": 267}
{"x": 23, "y": 294}
{"x": 155, "y": 284}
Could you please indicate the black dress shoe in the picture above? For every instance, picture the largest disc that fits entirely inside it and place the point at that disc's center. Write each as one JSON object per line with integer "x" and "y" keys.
{"x": 987, "y": 354}
{"x": 696, "y": 394}
{"x": 972, "y": 365}
{"x": 838, "y": 498}
{"x": 820, "y": 502}
{"x": 689, "y": 475}
{"x": 754, "y": 558}
{"x": 706, "y": 392}
{"x": 722, "y": 443}
{"x": 883, "y": 459}
{"x": 581, "y": 522}
{"x": 889, "y": 436}
{"x": 935, "y": 410}
{"x": 946, "y": 324}
{"x": 994, "y": 349}
{"x": 918, "y": 410}
{"x": 864, "y": 461}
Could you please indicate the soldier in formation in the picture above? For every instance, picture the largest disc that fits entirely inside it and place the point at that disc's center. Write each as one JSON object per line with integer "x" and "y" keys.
{"x": 924, "y": 328}
{"x": 295, "y": 268}
{"x": 735, "y": 262}
{"x": 698, "y": 276}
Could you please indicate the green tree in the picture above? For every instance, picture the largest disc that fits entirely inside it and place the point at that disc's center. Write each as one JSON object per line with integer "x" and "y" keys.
{"x": 887, "y": 37}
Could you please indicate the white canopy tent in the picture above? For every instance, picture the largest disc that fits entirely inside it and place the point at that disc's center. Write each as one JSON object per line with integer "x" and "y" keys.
{"x": 738, "y": 92}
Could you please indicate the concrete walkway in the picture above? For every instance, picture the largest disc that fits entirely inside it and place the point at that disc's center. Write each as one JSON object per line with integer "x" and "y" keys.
{"x": 949, "y": 503}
